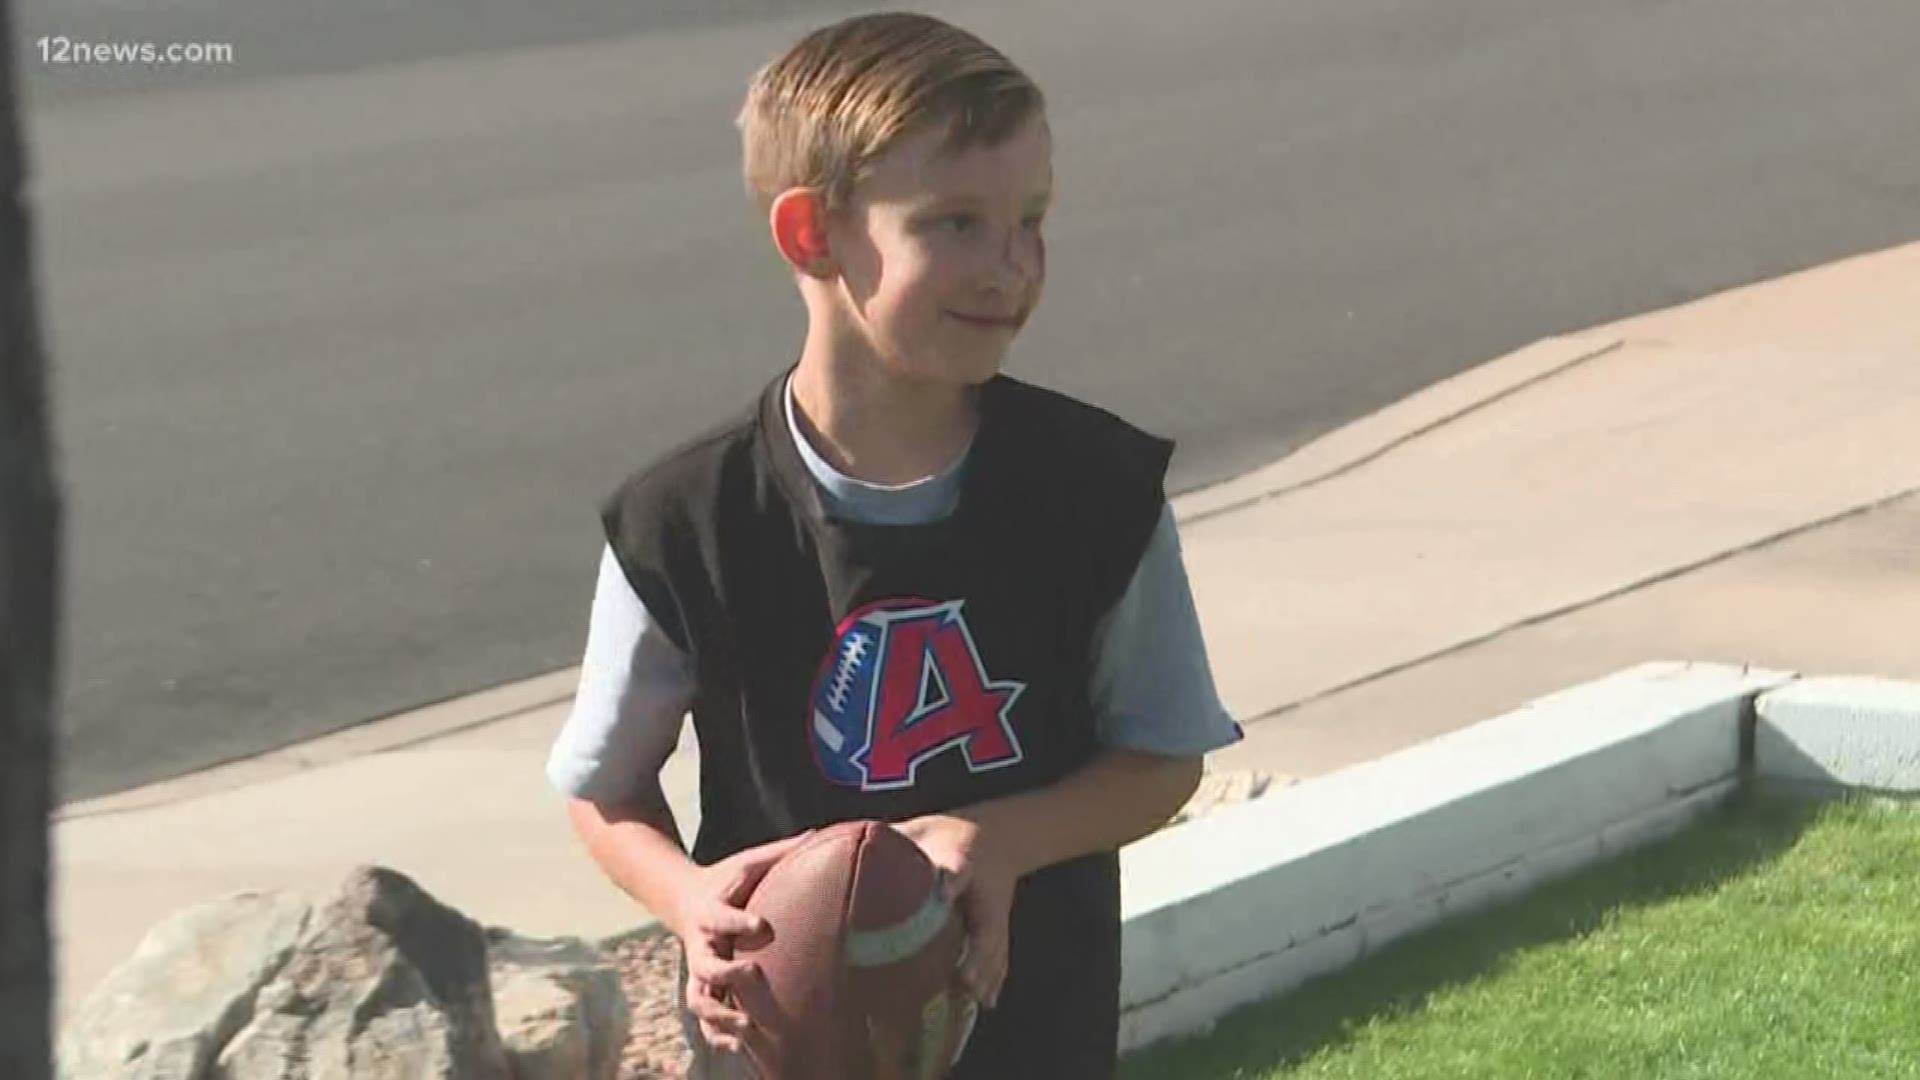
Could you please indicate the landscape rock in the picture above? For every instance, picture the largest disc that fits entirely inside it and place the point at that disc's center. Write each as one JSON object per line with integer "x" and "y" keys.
{"x": 386, "y": 984}
{"x": 559, "y": 1006}
{"x": 187, "y": 989}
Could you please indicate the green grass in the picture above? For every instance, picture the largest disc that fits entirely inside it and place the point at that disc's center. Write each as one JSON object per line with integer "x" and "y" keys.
{"x": 1777, "y": 939}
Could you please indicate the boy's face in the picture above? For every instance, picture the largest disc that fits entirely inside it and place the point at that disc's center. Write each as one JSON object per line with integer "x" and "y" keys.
{"x": 942, "y": 255}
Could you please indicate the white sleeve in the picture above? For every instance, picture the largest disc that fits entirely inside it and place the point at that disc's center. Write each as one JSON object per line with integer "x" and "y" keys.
{"x": 635, "y": 688}
{"x": 1152, "y": 687}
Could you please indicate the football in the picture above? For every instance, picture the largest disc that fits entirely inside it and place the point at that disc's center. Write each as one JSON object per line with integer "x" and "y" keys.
{"x": 862, "y": 962}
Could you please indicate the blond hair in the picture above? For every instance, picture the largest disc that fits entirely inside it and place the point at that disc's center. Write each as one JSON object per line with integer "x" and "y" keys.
{"x": 820, "y": 113}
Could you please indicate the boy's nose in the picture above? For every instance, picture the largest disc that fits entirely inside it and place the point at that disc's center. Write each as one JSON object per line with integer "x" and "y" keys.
{"x": 1019, "y": 265}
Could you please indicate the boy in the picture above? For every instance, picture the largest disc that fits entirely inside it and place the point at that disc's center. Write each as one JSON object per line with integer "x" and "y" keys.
{"x": 901, "y": 585}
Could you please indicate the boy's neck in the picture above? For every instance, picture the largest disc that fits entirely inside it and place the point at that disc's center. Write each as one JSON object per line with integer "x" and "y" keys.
{"x": 877, "y": 428}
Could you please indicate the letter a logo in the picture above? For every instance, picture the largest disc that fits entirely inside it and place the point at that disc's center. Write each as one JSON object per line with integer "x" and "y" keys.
{"x": 904, "y": 683}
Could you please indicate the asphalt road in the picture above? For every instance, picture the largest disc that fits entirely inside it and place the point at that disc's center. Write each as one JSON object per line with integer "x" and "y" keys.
{"x": 351, "y": 335}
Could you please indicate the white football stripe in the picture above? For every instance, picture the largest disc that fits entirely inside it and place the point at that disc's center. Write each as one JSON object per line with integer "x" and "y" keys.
{"x": 892, "y": 944}
{"x": 827, "y": 732}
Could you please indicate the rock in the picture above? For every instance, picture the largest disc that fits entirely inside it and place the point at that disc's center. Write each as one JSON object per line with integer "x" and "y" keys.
{"x": 191, "y": 984}
{"x": 560, "y": 1008}
{"x": 386, "y": 984}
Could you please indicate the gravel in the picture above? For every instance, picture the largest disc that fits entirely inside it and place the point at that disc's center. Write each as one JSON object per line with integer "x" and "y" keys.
{"x": 647, "y": 961}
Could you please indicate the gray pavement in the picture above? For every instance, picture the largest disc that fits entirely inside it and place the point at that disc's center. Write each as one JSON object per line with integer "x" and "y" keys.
{"x": 1734, "y": 480}
{"x": 1839, "y": 599}
{"x": 347, "y": 347}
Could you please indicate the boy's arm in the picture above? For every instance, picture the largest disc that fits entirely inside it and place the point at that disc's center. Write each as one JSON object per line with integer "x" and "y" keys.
{"x": 1113, "y": 800}
{"x": 635, "y": 688}
{"x": 1118, "y": 797}
{"x": 635, "y": 842}
{"x": 1157, "y": 714}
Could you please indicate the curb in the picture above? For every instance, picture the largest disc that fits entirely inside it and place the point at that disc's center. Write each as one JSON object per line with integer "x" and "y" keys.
{"x": 1258, "y": 899}
{"x": 1264, "y": 897}
{"x": 377, "y": 736}
{"x": 1860, "y": 734}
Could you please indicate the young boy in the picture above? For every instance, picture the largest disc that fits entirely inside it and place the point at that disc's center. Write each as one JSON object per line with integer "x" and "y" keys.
{"x": 900, "y": 585}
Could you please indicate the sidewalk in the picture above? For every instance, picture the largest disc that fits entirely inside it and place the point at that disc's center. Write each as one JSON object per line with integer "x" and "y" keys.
{"x": 1737, "y": 479}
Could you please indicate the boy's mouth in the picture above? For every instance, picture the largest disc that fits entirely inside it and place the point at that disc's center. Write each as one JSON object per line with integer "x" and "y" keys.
{"x": 1012, "y": 323}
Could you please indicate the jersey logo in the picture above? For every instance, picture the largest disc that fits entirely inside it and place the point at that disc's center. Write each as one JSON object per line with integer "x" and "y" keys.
{"x": 904, "y": 683}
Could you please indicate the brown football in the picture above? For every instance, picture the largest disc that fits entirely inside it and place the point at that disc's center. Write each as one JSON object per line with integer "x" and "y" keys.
{"x": 862, "y": 962}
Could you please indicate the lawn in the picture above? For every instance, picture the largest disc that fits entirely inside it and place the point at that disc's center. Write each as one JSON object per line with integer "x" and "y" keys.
{"x": 1776, "y": 939}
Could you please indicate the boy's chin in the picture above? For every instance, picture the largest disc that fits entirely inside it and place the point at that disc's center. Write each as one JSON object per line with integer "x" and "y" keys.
{"x": 960, "y": 375}
{"x": 973, "y": 380}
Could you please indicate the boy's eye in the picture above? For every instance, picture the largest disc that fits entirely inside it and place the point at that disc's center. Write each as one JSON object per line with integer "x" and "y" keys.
{"x": 967, "y": 222}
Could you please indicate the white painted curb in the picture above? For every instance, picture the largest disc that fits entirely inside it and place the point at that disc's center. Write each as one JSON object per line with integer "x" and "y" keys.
{"x": 1852, "y": 732}
{"x": 1256, "y": 899}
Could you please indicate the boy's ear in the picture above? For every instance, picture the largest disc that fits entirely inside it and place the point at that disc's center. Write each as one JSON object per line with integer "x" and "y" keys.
{"x": 799, "y": 223}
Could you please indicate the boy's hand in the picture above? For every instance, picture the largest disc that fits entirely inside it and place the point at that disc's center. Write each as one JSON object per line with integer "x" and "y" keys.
{"x": 723, "y": 993}
{"x": 983, "y": 885}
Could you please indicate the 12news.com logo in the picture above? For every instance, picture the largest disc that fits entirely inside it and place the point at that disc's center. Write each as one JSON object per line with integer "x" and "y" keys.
{"x": 62, "y": 50}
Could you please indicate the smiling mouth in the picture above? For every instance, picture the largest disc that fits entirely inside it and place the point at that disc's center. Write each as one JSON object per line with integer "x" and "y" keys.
{"x": 997, "y": 324}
